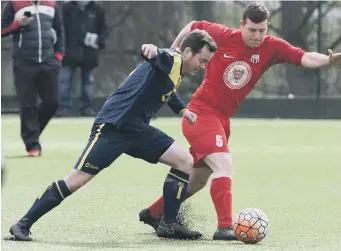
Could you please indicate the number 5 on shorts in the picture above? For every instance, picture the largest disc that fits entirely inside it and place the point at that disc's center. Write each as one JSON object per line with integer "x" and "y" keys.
{"x": 219, "y": 140}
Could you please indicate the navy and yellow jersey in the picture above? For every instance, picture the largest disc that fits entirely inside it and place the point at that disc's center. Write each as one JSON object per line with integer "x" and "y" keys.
{"x": 152, "y": 84}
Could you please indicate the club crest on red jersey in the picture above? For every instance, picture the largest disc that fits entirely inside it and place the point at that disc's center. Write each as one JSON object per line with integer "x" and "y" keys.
{"x": 255, "y": 58}
{"x": 237, "y": 74}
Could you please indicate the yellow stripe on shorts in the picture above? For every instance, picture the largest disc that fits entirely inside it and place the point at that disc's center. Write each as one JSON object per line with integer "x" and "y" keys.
{"x": 90, "y": 146}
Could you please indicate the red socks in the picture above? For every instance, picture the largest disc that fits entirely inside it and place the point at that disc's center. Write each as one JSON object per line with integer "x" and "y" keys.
{"x": 222, "y": 199}
{"x": 156, "y": 210}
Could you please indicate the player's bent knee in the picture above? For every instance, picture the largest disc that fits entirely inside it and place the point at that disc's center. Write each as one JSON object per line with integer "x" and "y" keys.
{"x": 189, "y": 161}
{"x": 184, "y": 163}
{"x": 222, "y": 170}
{"x": 76, "y": 179}
{"x": 177, "y": 158}
{"x": 220, "y": 164}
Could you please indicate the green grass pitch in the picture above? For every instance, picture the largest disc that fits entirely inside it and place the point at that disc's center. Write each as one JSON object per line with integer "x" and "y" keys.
{"x": 290, "y": 169}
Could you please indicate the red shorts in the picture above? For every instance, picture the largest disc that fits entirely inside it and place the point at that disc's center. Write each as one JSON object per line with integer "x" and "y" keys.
{"x": 208, "y": 135}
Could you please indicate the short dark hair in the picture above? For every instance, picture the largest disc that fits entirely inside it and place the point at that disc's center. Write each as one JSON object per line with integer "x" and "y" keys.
{"x": 196, "y": 40}
{"x": 256, "y": 12}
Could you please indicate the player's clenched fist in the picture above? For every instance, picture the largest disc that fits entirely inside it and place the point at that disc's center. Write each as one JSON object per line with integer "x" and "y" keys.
{"x": 334, "y": 58}
{"x": 190, "y": 116}
{"x": 149, "y": 50}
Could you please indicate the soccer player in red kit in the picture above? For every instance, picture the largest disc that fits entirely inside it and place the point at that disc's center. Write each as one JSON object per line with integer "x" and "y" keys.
{"x": 242, "y": 57}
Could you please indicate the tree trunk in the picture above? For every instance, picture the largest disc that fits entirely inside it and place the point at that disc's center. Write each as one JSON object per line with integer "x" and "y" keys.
{"x": 203, "y": 10}
{"x": 302, "y": 82}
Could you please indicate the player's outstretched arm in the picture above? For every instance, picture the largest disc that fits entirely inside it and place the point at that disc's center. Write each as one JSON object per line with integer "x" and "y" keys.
{"x": 183, "y": 33}
{"x": 317, "y": 60}
{"x": 334, "y": 58}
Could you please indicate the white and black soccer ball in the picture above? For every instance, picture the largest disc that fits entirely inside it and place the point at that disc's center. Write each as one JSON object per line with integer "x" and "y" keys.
{"x": 251, "y": 225}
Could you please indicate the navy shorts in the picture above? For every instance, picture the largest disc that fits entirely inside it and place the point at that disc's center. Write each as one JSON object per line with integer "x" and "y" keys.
{"x": 107, "y": 143}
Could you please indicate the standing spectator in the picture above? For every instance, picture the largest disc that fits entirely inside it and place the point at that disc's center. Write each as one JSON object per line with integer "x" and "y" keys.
{"x": 38, "y": 47}
{"x": 85, "y": 34}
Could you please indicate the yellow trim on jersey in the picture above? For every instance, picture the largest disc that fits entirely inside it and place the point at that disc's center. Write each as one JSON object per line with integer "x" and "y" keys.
{"x": 60, "y": 191}
{"x": 91, "y": 146}
{"x": 131, "y": 73}
{"x": 182, "y": 111}
{"x": 166, "y": 96}
{"x": 178, "y": 177}
{"x": 174, "y": 74}
{"x": 174, "y": 53}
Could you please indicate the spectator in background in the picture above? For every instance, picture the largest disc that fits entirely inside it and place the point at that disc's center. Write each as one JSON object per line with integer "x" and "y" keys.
{"x": 38, "y": 46}
{"x": 85, "y": 34}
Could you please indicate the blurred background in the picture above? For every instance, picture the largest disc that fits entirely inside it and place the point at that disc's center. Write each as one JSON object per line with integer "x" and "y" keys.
{"x": 283, "y": 91}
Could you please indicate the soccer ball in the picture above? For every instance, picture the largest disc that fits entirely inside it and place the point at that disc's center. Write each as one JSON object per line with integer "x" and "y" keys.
{"x": 251, "y": 226}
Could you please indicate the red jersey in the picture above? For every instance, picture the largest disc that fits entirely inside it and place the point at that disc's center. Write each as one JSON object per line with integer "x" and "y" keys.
{"x": 235, "y": 69}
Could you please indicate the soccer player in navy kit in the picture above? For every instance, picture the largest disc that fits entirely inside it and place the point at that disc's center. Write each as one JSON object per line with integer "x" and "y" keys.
{"x": 122, "y": 126}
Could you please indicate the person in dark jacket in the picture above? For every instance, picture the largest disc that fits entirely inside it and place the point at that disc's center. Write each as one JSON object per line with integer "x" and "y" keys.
{"x": 38, "y": 47}
{"x": 85, "y": 34}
